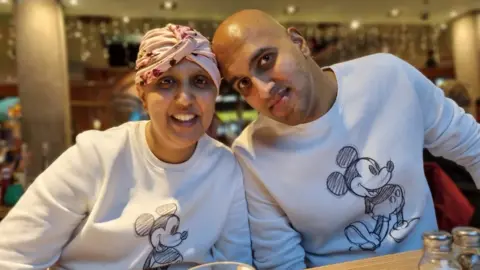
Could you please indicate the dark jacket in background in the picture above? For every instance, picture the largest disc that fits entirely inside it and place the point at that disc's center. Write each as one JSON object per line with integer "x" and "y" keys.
{"x": 462, "y": 179}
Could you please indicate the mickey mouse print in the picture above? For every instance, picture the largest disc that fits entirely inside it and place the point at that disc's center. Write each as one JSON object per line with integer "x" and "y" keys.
{"x": 364, "y": 177}
{"x": 164, "y": 236}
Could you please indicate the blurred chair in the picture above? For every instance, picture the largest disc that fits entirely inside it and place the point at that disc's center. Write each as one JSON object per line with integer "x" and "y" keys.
{"x": 451, "y": 207}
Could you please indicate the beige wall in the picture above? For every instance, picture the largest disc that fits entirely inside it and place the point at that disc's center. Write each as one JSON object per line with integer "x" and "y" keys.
{"x": 466, "y": 51}
{"x": 89, "y": 41}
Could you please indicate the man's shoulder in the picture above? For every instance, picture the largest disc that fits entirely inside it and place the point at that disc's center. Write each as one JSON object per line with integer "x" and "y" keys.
{"x": 245, "y": 144}
{"x": 217, "y": 152}
{"x": 373, "y": 64}
{"x": 376, "y": 59}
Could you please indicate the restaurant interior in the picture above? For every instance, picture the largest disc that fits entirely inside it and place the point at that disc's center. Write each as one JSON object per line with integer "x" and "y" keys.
{"x": 68, "y": 66}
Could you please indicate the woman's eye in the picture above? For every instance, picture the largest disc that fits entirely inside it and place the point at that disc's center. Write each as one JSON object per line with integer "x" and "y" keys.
{"x": 201, "y": 81}
{"x": 165, "y": 82}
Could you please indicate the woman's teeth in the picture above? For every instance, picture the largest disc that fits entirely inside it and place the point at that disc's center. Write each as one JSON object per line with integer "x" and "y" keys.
{"x": 184, "y": 117}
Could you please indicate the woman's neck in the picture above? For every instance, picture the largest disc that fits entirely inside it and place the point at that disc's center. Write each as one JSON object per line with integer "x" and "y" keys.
{"x": 167, "y": 154}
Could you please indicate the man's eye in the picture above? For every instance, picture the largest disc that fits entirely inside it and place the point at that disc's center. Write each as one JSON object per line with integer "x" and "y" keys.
{"x": 244, "y": 84}
{"x": 266, "y": 60}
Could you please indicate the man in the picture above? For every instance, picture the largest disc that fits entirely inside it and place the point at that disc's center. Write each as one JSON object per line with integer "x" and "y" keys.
{"x": 333, "y": 165}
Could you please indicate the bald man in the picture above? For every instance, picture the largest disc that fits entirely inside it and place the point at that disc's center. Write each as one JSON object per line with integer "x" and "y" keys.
{"x": 333, "y": 164}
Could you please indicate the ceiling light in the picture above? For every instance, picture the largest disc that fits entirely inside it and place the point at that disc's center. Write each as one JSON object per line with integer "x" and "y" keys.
{"x": 394, "y": 12}
{"x": 4, "y": 1}
{"x": 354, "y": 24}
{"x": 291, "y": 9}
{"x": 168, "y": 5}
{"x": 453, "y": 14}
{"x": 73, "y": 2}
{"x": 126, "y": 19}
{"x": 443, "y": 26}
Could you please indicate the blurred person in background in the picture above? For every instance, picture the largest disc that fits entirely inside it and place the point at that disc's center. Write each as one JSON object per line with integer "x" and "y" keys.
{"x": 458, "y": 92}
{"x": 477, "y": 109}
{"x": 333, "y": 165}
{"x": 146, "y": 194}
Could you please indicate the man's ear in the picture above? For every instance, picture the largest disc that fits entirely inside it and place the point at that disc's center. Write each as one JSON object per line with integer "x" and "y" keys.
{"x": 299, "y": 40}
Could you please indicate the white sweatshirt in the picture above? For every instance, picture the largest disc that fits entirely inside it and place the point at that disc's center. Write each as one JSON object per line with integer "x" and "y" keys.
{"x": 351, "y": 184}
{"x": 109, "y": 203}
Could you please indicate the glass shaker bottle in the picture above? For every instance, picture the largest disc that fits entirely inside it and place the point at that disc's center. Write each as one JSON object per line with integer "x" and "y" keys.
{"x": 466, "y": 247}
{"x": 437, "y": 252}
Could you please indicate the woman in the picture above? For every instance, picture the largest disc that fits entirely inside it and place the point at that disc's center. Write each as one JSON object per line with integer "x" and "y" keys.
{"x": 144, "y": 195}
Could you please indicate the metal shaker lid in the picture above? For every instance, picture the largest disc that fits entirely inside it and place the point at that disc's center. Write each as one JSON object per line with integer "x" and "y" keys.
{"x": 437, "y": 241}
{"x": 466, "y": 236}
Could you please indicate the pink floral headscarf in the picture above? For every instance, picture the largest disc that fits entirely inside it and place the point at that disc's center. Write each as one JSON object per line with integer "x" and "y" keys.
{"x": 161, "y": 48}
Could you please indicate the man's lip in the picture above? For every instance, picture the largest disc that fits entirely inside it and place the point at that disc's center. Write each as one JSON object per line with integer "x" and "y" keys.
{"x": 277, "y": 97}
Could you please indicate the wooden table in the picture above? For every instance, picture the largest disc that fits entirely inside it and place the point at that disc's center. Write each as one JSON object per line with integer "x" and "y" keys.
{"x": 400, "y": 261}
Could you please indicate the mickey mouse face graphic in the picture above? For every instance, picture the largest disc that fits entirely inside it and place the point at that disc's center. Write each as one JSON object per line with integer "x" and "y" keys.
{"x": 164, "y": 236}
{"x": 363, "y": 176}
{"x": 168, "y": 235}
{"x": 370, "y": 177}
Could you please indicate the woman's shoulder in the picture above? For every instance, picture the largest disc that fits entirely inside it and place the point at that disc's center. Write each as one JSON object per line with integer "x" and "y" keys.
{"x": 109, "y": 140}
{"x": 216, "y": 148}
{"x": 217, "y": 152}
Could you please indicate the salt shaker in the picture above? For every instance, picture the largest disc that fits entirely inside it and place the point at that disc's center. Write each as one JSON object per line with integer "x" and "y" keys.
{"x": 466, "y": 247}
{"x": 437, "y": 252}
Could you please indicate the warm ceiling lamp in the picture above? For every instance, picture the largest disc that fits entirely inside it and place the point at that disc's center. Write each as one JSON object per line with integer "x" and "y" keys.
{"x": 394, "y": 12}
{"x": 168, "y": 5}
{"x": 291, "y": 9}
{"x": 73, "y": 2}
{"x": 453, "y": 14}
{"x": 355, "y": 24}
{"x": 4, "y": 1}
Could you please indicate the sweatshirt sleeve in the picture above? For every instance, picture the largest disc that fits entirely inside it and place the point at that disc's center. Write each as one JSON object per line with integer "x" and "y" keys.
{"x": 35, "y": 231}
{"x": 275, "y": 244}
{"x": 234, "y": 243}
{"x": 449, "y": 131}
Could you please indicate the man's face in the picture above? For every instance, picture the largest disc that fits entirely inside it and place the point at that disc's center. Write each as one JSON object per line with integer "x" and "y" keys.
{"x": 269, "y": 70}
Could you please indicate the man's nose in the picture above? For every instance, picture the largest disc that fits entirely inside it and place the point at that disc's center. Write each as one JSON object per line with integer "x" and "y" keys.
{"x": 262, "y": 87}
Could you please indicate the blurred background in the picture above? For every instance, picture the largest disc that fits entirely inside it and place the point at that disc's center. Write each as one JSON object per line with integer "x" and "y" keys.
{"x": 66, "y": 66}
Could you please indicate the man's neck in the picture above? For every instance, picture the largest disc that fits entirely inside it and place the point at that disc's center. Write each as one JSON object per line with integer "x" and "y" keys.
{"x": 324, "y": 92}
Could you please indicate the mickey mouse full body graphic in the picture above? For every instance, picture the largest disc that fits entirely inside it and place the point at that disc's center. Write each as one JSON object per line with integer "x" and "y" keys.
{"x": 364, "y": 177}
{"x": 163, "y": 235}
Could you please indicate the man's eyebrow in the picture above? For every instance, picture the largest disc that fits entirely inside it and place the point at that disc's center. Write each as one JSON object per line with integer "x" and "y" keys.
{"x": 257, "y": 54}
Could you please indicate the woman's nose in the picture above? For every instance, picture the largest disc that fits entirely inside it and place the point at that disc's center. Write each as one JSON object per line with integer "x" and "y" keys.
{"x": 184, "y": 97}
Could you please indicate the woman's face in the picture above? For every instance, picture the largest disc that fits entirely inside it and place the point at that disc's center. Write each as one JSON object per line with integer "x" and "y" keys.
{"x": 180, "y": 104}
